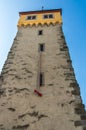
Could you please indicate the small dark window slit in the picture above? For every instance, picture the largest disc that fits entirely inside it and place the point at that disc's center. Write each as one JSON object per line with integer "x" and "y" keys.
{"x": 41, "y": 47}
{"x": 41, "y": 79}
{"x": 40, "y": 32}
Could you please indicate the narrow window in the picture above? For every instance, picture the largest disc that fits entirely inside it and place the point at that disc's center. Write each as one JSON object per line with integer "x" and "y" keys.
{"x": 45, "y": 16}
{"x": 41, "y": 47}
{"x": 40, "y": 32}
{"x": 50, "y": 15}
{"x": 41, "y": 79}
{"x": 31, "y": 17}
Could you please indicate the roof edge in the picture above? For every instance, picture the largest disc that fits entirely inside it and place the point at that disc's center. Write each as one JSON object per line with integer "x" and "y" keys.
{"x": 41, "y": 11}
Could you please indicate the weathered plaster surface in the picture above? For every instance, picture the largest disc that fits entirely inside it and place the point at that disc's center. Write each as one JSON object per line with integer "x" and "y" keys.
{"x": 61, "y": 106}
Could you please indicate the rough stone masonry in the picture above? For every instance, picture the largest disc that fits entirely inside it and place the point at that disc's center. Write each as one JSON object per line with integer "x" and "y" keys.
{"x": 60, "y": 107}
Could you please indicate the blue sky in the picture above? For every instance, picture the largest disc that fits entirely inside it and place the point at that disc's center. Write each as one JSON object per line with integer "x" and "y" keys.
{"x": 74, "y": 27}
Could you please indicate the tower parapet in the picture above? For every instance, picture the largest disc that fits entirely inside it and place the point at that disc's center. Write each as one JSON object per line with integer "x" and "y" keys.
{"x": 40, "y": 17}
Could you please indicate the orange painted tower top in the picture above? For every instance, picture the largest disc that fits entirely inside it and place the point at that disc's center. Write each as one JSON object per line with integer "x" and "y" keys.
{"x": 40, "y": 17}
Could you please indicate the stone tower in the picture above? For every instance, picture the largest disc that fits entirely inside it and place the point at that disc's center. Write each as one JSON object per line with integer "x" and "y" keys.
{"x": 38, "y": 88}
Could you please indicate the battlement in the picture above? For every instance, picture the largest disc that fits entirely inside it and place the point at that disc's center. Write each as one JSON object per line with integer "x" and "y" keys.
{"x": 40, "y": 17}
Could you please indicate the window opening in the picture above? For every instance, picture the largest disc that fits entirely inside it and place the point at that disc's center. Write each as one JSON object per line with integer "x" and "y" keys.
{"x": 48, "y": 16}
{"x": 41, "y": 47}
{"x": 40, "y": 32}
{"x": 41, "y": 79}
{"x": 31, "y": 17}
{"x": 45, "y": 16}
{"x": 51, "y": 16}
